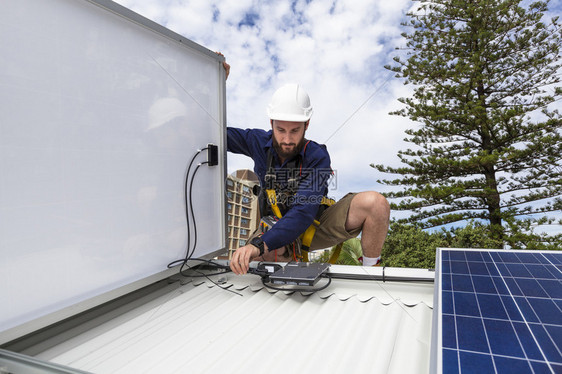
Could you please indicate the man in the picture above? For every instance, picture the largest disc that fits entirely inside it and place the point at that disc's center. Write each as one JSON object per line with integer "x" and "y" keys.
{"x": 276, "y": 153}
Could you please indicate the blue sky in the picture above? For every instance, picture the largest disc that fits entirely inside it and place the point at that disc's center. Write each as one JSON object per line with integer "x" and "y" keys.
{"x": 335, "y": 49}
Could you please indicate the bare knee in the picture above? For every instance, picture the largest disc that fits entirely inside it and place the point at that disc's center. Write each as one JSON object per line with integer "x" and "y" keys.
{"x": 369, "y": 205}
{"x": 374, "y": 203}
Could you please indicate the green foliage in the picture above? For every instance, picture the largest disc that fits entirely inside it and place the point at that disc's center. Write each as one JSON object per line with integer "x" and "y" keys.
{"x": 473, "y": 235}
{"x": 409, "y": 246}
{"x": 521, "y": 235}
{"x": 350, "y": 252}
{"x": 489, "y": 144}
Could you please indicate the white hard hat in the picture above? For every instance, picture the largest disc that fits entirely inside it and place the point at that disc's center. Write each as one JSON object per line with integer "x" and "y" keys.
{"x": 290, "y": 103}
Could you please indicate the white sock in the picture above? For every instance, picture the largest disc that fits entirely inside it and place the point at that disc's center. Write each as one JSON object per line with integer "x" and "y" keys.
{"x": 370, "y": 261}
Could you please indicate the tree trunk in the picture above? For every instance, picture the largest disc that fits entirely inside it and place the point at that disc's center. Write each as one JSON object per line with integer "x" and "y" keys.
{"x": 494, "y": 209}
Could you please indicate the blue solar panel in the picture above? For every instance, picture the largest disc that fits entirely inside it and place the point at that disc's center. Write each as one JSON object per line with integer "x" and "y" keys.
{"x": 498, "y": 311}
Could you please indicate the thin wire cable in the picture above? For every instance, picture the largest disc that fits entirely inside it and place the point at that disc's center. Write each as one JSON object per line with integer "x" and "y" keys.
{"x": 212, "y": 281}
{"x": 184, "y": 90}
{"x": 388, "y": 293}
{"x": 225, "y": 269}
{"x": 360, "y": 107}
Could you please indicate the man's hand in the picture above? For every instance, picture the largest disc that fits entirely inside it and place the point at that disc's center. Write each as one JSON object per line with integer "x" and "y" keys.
{"x": 225, "y": 65}
{"x": 240, "y": 262}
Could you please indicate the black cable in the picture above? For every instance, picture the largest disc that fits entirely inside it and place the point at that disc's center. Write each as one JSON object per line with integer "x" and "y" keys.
{"x": 201, "y": 274}
{"x": 191, "y": 210}
{"x": 225, "y": 268}
{"x": 186, "y": 204}
{"x": 190, "y": 252}
{"x": 221, "y": 287}
{"x": 263, "y": 274}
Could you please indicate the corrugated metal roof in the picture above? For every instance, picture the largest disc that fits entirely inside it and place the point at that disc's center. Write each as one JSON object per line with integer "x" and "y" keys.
{"x": 197, "y": 327}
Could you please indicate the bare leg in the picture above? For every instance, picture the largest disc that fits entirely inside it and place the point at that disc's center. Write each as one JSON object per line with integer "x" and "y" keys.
{"x": 370, "y": 211}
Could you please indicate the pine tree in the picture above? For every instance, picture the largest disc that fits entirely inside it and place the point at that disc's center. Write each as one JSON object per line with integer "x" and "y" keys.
{"x": 489, "y": 144}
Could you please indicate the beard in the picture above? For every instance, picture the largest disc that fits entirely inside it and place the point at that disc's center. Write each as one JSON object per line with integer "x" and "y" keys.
{"x": 287, "y": 154}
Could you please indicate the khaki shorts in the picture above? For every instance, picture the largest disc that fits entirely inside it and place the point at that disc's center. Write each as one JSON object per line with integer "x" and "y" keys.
{"x": 332, "y": 225}
{"x": 330, "y": 232}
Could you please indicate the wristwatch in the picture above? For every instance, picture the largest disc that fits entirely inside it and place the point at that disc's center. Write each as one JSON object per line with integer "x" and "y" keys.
{"x": 259, "y": 244}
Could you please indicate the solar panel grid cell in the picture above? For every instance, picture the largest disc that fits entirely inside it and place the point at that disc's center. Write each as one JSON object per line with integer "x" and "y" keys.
{"x": 501, "y": 311}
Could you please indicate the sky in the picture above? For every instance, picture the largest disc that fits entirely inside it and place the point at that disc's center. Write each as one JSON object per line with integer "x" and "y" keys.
{"x": 336, "y": 50}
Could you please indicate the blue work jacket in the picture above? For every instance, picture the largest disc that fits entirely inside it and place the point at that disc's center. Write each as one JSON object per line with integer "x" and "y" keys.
{"x": 315, "y": 174}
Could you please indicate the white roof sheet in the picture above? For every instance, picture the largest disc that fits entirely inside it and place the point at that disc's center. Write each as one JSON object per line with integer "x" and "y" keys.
{"x": 197, "y": 327}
